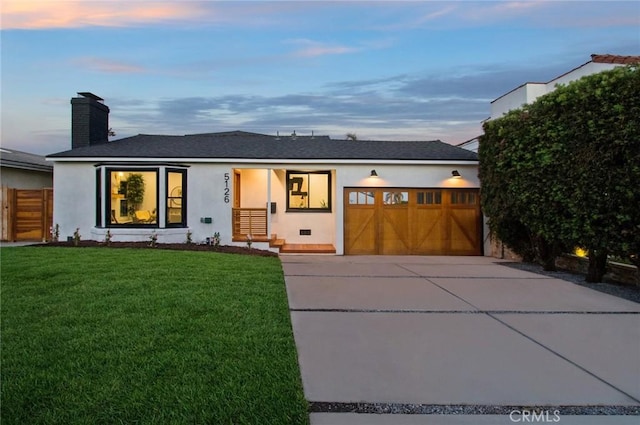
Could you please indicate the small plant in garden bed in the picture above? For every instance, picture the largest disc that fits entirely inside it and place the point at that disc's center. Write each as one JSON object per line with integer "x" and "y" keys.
{"x": 153, "y": 240}
{"x": 55, "y": 233}
{"x": 225, "y": 249}
{"x": 76, "y": 237}
{"x": 107, "y": 238}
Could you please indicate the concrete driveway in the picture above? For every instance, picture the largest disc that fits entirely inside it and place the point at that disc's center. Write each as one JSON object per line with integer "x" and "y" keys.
{"x": 459, "y": 340}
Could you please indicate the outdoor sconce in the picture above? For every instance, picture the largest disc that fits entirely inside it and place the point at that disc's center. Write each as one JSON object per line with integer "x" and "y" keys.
{"x": 456, "y": 174}
{"x": 373, "y": 173}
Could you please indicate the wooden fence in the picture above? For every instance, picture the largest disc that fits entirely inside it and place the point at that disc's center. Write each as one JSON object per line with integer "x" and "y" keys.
{"x": 26, "y": 215}
{"x": 249, "y": 221}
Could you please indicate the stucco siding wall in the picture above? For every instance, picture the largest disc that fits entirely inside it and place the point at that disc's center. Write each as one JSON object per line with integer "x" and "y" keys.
{"x": 534, "y": 91}
{"x": 511, "y": 100}
{"x": 529, "y": 92}
{"x": 207, "y": 184}
{"x": 583, "y": 71}
{"x": 408, "y": 176}
{"x": 74, "y": 199}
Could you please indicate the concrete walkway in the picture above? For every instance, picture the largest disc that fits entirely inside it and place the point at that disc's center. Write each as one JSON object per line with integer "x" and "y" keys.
{"x": 459, "y": 340}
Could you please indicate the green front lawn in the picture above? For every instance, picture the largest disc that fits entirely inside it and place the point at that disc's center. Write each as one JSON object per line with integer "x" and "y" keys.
{"x": 102, "y": 336}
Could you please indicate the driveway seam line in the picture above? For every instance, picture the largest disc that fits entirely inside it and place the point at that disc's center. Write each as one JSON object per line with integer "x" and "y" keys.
{"x": 565, "y": 358}
{"x": 540, "y": 344}
{"x": 417, "y": 311}
{"x": 467, "y": 409}
{"x": 415, "y": 276}
{"x": 439, "y": 286}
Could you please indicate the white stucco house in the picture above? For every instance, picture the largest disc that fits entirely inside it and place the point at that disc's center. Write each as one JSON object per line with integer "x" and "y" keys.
{"x": 290, "y": 193}
{"x": 528, "y": 92}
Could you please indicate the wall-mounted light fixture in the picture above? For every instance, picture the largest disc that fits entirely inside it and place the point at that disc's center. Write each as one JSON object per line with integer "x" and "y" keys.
{"x": 456, "y": 174}
{"x": 373, "y": 173}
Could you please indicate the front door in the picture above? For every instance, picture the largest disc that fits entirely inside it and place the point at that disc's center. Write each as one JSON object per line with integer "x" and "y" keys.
{"x": 236, "y": 189}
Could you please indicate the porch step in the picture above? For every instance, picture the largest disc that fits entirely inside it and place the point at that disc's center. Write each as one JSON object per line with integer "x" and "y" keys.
{"x": 290, "y": 248}
{"x": 307, "y": 248}
{"x": 276, "y": 243}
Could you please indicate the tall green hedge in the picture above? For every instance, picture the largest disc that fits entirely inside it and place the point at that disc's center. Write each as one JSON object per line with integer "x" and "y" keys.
{"x": 564, "y": 171}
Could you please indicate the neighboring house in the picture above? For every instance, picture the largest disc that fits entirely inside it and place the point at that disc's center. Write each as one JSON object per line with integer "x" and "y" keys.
{"x": 470, "y": 145}
{"x": 528, "y": 92}
{"x": 22, "y": 170}
{"x": 293, "y": 193}
{"x": 26, "y": 196}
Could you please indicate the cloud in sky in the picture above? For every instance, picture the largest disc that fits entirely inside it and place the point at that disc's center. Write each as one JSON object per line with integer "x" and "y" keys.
{"x": 397, "y": 106}
{"x": 109, "y": 66}
{"x": 47, "y": 14}
{"x": 310, "y": 48}
{"x": 42, "y": 14}
{"x": 382, "y": 69}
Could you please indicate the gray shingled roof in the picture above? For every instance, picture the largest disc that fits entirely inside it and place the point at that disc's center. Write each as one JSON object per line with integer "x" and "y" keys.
{"x": 242, "y": 145}
{"x": 25, "y": 161}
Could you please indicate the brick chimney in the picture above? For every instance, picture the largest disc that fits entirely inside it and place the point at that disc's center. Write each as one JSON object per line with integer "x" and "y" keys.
{"x": 89, "y": 120}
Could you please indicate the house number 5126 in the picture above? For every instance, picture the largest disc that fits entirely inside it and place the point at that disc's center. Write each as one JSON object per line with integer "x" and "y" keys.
{"x": 226, "y": 188}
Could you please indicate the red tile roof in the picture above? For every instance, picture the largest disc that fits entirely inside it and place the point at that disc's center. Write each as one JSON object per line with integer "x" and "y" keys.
{"x": 627, "y": 60}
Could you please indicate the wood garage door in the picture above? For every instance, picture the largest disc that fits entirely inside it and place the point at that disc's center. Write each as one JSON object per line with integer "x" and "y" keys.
{"x": 389, "y": 221}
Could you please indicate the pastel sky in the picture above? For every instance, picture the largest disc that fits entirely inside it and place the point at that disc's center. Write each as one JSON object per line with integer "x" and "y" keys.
{"x": 393, "y": 70}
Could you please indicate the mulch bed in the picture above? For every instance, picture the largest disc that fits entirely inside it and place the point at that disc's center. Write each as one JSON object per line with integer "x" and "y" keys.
{"x": 227, "y": 249}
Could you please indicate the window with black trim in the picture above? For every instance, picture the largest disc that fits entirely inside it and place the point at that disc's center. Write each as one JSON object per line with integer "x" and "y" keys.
{"x": 99, "y": 193}
{"x": 132, "y": 197}
{"x": 309, "y": 191}
{"x": 176, "y": 194}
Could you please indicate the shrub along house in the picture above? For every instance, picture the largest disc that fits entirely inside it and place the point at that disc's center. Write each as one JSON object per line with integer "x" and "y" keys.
{"x": 292, "y": 193}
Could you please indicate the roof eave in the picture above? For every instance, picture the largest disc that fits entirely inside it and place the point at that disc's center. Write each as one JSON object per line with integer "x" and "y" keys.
{"x": 270, "y": 160}
{"x": 28, "y": 167}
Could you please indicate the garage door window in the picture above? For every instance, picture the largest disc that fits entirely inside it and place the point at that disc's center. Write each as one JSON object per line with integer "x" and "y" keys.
{"x": 395, "y": 198}
{"x": 361, "y": 198}
{"x": 464, "y": 198}
{"x": 432, "y": 197}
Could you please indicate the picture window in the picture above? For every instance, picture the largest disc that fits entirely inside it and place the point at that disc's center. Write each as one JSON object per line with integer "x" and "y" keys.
{"x": 309, "y": 191}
